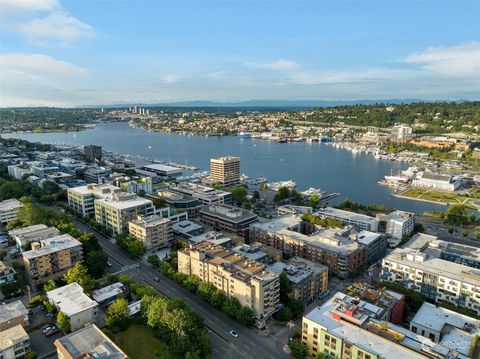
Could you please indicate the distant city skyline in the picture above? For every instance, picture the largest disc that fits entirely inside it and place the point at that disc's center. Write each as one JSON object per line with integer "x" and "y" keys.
{"x": 74, "y": 53}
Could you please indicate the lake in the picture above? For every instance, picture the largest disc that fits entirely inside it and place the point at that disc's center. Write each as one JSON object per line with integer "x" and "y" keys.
{"x": 318, "y": 165}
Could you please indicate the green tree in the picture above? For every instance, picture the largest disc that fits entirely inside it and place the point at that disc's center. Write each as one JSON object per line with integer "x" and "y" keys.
{"x": 321, "y": 356}
{"x": 117, "y": 315}
{"x": 191, "y": 283}
{"x": 239, "y": 195}
{"x": 245, "y": 316}
{"x": 298, "y": 348}
{"x": 96, "y": 262}
{"x": 314, "y": 200}
{"x": 285, "y": 288}
{"x": 50, "y": 285}
{"x": 79, "y": 274}
{"x": 153, "y": 260}
{"x": 457, "y": 215}
{"x": 63, "y": 322}
{"x": 232, "y": 307}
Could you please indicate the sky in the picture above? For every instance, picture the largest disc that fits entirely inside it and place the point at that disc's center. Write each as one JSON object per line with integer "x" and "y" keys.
{"x": 71, "y": 53}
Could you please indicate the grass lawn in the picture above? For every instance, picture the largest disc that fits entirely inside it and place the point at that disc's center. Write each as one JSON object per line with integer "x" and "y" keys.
{"x": 443, "y": 197}
{"x": 138, "y": 342}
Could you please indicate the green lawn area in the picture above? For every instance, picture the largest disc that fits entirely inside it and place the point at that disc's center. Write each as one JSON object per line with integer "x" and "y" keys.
{"x": 138, "y": 342}
{"x": 443, "y": 197}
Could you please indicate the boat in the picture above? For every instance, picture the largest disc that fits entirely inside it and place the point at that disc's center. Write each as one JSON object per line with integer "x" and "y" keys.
{"x": 396, "y": 179}
{"x": 244, "y": 135}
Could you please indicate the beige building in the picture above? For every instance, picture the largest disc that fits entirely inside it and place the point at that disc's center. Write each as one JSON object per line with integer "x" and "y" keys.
{"x": 248, "y": 281}
{"x": 225, "y": 170}
{"x": 71, "y": 300}
{"x": 153, "y": 231}
{"x": 88, "y": 342}
{"x": 14, "y": 343}
{"x": 9, "y": 209}
{"x": 116, "y": 211}
{"x": 51, "y": 258}
{"x": 13, "y": 314}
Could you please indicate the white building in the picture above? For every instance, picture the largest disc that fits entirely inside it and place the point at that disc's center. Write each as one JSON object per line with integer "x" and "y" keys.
{"x": 9, "y": 209}
{"x": 37, "y": 232}
{"x": 360, "y": 221}
{"x": 71, "y": 300}
{"x": 400, "y": 131}
{"x": 400, "y": 224}
{"x": 436, "y": 181}
{"x": 81, "y": 199}
{"x": 14, "y": 343}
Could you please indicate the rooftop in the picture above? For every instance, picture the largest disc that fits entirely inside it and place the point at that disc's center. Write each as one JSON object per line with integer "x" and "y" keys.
{"x": 53, "y": 244}
{"x": 99, "y": 190}
{"x": 108, "y": 292}
{"x": 10, "y": 205}
{"x": 367, "y": 237}
{"x": 12, "y": 336}
{"x": 12, "y": 310}
{"x": 123, "y": 201}
{"x": 150, "y": 221}
{"x": 163, "y": 168}
{"x": 228, "y": 213}
{"x": 92, "y": 341}
{"x": 186, "y": 226}
{"x": 71, "y": 299}
{"x": 297, "y": 269}
{"x": 351, "y": 216}
{"x": 400, "y": 216}
{"x": 25, "y": 230}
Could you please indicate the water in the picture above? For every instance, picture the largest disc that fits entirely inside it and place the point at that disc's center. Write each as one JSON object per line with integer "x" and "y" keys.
{"x": 318, "y": 165}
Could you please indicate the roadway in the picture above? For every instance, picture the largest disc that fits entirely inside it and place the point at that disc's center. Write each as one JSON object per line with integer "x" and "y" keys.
{"x": 248, "y": 345}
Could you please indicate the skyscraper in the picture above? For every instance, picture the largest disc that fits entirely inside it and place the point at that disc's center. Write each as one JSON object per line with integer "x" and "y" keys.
{"x": 225, "y": 170}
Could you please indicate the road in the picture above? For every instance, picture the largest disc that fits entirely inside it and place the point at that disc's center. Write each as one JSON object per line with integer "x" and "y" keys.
{"x": 248, "y": 345}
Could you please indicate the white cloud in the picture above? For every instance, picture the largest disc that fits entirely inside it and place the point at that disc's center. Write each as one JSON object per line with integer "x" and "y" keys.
{"x": 21, "y": 7}
{"x": 454, "y": 61}
{"x": 280, "y": 65}
{"x": 57, "y": 26}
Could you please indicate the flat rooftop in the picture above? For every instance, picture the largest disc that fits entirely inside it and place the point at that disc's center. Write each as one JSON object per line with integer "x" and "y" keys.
{"x": 100, "y": 190}
{"x": 150, "y": 221}
{"x": 351, "y": 216}
{"x": 400, "y": 216}
{"x": 71, "y": 299}
{"x": 186, "y": 226}
{"x": 53, "y": 244}
{"x": 10, "y": 205}
{"x": 12, "y": 336}
{"x": 108, "y": 292}
{"x": 157, "y": 167}
{"x": 92, "y": 341}
{"x": 228, "y": 213}
{"x": 123, "y": 201}
{"x": 28, "y": 229}
{"x": 12, "y": 310}
{"x": 367, "y": 237}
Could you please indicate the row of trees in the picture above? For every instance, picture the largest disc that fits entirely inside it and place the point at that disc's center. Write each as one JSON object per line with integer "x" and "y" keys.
{"x": 131, "y": 245}
{"x": 354, "y": 206}
{"x": 285, "y": 193}
{"x": 323, "y": 222}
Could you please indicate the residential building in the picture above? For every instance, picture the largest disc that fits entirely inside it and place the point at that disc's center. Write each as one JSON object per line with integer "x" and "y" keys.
{"x": 7, "y": 274}
{"x": 93, "y": 153}
{"x": 139, "y": 185}
{"x": 375, "y": 243}
{"x": 42, "y": 169}
{"x": 116, "y": 211}
{"x": 154, "y": 231}
{"x": 206, "y": 195}
{"x": 308, "y": 280}
{"x": 226, "y": 218}
{"x": 50, "y": 258}
{"x": 248, "y": 281}
{"x": 9, "y": 209}
{"x": 75, "y": 304}
{"x": 14, "y": 343}
{"x": 213, "y": 237}
{"x": 88, "y": 342}
{"x": 26, "y": 235}
{"x": 13, "y": 314}
{"x": 159, "y": 171}
{"x": 81, "y": 199}
{"x": 332, "y": 247}
{"x": 258, "y": 252}
{"x": 348, "y": 328}
{"x": 360, "y": 221}
{"x": 107, "y": 295}
{"x": 440, "y": 271}
{"x": 187, "y": 229}
{"x": 18, "y": 171}
{"x": 436, "y": 181}
{"x": 225, "y": 171}
{"x": 401, "y": 131}
{"x": 291, "y": 209}
{"x": 400, "y": 224}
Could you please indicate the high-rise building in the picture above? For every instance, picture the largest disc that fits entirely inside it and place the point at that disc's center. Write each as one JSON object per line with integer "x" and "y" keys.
{"x": 93, "y": 152}
{"x": 225, "y": 170}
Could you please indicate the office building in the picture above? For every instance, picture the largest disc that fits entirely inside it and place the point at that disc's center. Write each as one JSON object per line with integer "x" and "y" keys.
{"x": 14, "y": 343}
{"x": 187, "y": 229}
{"x": 436, "y": 181}
{"x": 26, "y": 235}
{"x": 81, "y": 199}
{"x": 180, "y": 202}
{"x": 206, "y": 195}
{"x": 291, "y": 209}
{"x": 7, "y": 274}
{"x": 375, "y": 243}
{"x": 308, "y": 280}
{"x": 360, "y": 221}
{"x": 13, "y": 314}
{"x": 50, "y": 258}
{"x": 116, "y": 211}
{"x": 93, "y": 153}
{"x": 9, "y": 209}
{"x": 75, "y": 304}
{"x": 400, "y": 224}
{"x": 248, "y": 281}
{"x": 96, "y": 174}
{"x": 440, "y": 271}
{"x": 332, "y": 247}
{"x": 225, "y": 218}
{"x": 225, "y": 171}
{"x": 160, "y": 172}
{"x": 88, "y": 342}
{"x": 154, "y": 231}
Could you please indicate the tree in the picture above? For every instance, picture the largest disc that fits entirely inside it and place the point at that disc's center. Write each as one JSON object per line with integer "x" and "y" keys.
{"x": 285, "y": 288}
{"x": 239, "y": 195}
{"x": 191, "y": 283}
{"x": 153, "y": 260}
{"x": 117, "y": 315}
{"x": 63, "y": 322}
{"x": 296, "y": 306}
{"x": 96, "y": 262}
{"x": 79, "y": 274}
{"x": 245, "y": 316}
{"x": 231, "y": 307}
{"x": 205, "y": 290}
{"x": 256, "y": 195}
{"x": 50, "y": 285}
{"x": 457, "y": 215}
{"x": 217, "y": 298}
{"x": 298, "y": 348}
{"x": 314, "y": 200}
{"x": 321, "y": 356}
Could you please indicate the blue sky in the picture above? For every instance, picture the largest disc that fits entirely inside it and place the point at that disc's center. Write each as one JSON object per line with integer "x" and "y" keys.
{"x": 78, "y": 52}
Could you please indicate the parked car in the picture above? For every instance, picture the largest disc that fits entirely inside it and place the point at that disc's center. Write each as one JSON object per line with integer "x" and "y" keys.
{"x": 109, "y": 264}
{"x": 53, "y": 330}
{"x": 50, "y": 315}
{"x": 46, "y": 328}
{"x": 156, "y": 279}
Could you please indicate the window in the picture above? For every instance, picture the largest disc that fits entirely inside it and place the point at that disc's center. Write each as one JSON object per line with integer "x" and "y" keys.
{"x": 414, "y": 329}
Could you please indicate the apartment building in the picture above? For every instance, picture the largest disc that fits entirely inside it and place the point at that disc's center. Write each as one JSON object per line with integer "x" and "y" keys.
{"x": 135, "y": 185}
{"x": 88, "y": 342}
{"x": 225, "y": 171}
{"x": 50, "y": 258}
{"x": 154, "y": 231}
{"x": 72, "y": 301}
{"x": 332, "y": 247}
{"x": 308, "y": 280}
{"x": 400, "y": 224}
{"x": 14, "y": 343}
{"x": 248, "y": 281}
{"x": 13, "y": 314}
{"x": 258, "y": 252}
{"x": 348, "y": 328}
{"x": 225, "y": 218}
{"x": 81, "y": 199}
{"x": 440, "y": 271}
{"x": 26, "y": 235}
{"x": 375, "y": 244}
{"x": 360, "y": 221}
{"x": 9, "y": 209}
{"x": 115, "y": 212}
